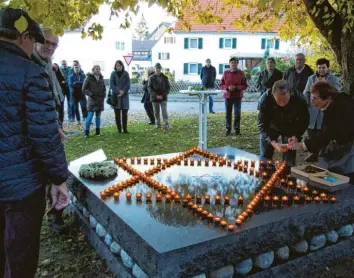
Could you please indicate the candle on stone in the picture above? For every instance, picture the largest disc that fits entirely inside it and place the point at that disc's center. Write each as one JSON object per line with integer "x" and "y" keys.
{"x": 185, "y": 202}
{"x": 317, "y": 199}
{"x": 306, "y": 189}
{"x": 245, "y": 169}
{"x": 207, "y": 199}
{"x": 191, "y": 162}
{"x": 253, "y": 163}
{"x": 124, "y": 159}
{"x": 158, "y": 197}
{"x": 178, "y": 162}
{"x": 264, "y": 175}
{"x": 148, "y": 197}
{"x": 283, "y": 182}
{"x": 298, "y": 188}
{"x": 199, "y": 199}
{"x": 138, "y": 196}
{"x": 199, "y": 162}
{"x": 291, "y": 185}
{"x": 285, "y": 201}
{"x": 276, "y": 201}
{"x": 128, "y": 196}
{"x": 177, "y": 198}
{"x": 188, "y": 197}
{"x": 214, "y": 163}
{"x": 173, "y": 194}
{"x": 333, "y": 200}
{"x": 308, "y": 199}
{"x": 190, "y": 205}
{"x": 223, "y": 223}
{"x": 251, "y": 171}
{"x": 217, "y": 199}
{"x": 229, "y": 163}
{"x": 231, "y": 228}
{"x": 163, "y": 166}
{"x": 205, "y": 214}
{"x": 199, "y": 210}
{"x": 238, "y": 222}
{"x": 325, "y": 200}
{"x": 217, "y": 220}
{"x": 249, "y": 212}
{"x": 207, "y": 162}
{"x": 297, "y": 199}
{"x": 240, "y": 201}
{"x": 103, "y": 195}
{"x": 116, "y": 195}
{"x": 240, "y": 217}
{"x": 323, "y": 195}
{"x": 314, "y": 192}
{"x": 168, "y": 198}
{"x": 226, "y": 200}
{"x": 195, "y": 207}
{"x": 257, "y": 173}
{"x": 210, "y": 217}
{"x": 185, "y": 161}
{"x": 244, "y": 214}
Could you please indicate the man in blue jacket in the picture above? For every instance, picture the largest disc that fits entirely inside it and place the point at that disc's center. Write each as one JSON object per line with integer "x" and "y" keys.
{"x": 31, "y": 151}
{"x": 208, "y": 75}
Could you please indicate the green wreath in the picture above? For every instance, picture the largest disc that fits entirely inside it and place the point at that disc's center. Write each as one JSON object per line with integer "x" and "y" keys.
{"x": 98, "y": 171}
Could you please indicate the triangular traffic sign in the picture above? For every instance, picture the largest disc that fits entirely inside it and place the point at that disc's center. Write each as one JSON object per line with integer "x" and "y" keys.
{"x": 128, "y": 59}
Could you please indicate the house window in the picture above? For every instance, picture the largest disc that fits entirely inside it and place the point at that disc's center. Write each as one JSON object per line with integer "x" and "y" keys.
{"x": 192, "y": 68}
{"x": 270, "y": 43}
{"x": 99, "y": 63}
{"x": 193, "y": 43}
{"x": 223, "y": 68}
{"x": 228, "y": 43}
{"x": 120, "y": 45}
{"x": 164, "y": 56}
{"x": 171, "y": 40}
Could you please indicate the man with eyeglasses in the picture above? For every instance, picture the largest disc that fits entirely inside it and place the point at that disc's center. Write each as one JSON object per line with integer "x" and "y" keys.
{"x": 42, "y": 56}
{"x": 298, "y": 75}
{"x": 31, "y": 151}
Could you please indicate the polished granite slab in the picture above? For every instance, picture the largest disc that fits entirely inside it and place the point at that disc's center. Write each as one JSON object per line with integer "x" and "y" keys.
{"x": 169, "y": 240}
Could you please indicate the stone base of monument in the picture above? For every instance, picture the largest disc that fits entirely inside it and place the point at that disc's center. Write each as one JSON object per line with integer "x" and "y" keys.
{"x": 284, "y": 242}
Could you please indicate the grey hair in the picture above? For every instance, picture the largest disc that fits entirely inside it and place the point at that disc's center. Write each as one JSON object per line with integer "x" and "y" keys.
{"x": 300, "y": 55}
{"x": 150, "y": 70}
{"x": 280, "y": 86}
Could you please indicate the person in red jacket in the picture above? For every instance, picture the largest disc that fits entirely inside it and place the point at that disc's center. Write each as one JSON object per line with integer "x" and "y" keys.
{"x": 234, "y": 82}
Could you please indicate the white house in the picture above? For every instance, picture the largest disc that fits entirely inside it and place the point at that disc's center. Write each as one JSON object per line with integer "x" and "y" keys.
{"x": 115, "y": 43}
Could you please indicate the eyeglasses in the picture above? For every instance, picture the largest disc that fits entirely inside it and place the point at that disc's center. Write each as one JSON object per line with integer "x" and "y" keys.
{"x": 52, "y": 44}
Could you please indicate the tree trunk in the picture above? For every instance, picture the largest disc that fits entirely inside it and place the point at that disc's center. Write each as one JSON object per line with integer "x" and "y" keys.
{"x": 346, "y": 60}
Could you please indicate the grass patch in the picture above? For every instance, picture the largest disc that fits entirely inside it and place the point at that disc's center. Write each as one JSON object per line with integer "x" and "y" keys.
{"x": 145, "y": 140}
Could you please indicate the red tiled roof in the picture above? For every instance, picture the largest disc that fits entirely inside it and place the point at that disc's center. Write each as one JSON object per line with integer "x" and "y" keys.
{"x": 216, "y": 9}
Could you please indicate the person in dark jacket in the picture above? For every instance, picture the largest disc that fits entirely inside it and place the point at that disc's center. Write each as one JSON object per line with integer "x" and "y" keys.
{"x": 281, "y": 115}
{"x": 269, "y": 76}
{"x": 65, "y": 72}
{"x": 316, "y": 115}
{"x": 76, "y": 81}
{"x": 159, "y": 88}
{"x": 31, "y": 152}
{"x": 120, "y": 85}
{"x": 64, "y": 87}
{"x": 298, "y": 75}
{"x": 208, "y": 75}
{"x": 234, "y": 82}
{"x": 42, "y": 56}
{"x": 95, "y": 90}
{"x": 335, "y": 143}
{"x": 146, "y": 97}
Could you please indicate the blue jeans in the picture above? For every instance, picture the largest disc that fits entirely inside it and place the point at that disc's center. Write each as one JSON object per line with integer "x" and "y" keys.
{"x": 211, "y": 104}
{"x": 267, "y": 150}
{"x": 236, "y": 104}
{"x": 90, "y": 117}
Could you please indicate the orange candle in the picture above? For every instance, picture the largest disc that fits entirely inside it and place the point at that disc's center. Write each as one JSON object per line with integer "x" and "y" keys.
{"x": 188, "y": 197}
{"x": 317, "y": 199}
{"x": 148, "y": 197}
{"x": 227, "y": 200}
{"x": 308, "y": 199}
{"x": 231, "y": 228}
{"x": 185, "y": 202}
{"x": 285, "y": 201}
{"x": 323, "y": 195}
{"x": 333, "y": 200}
{"x": 217, "y": 220}
{"x": 217, "y": 199}
{"x": 158, "y": 197}
{"x": 190, "y": 205}
{"x": 128, "y": 196}
{"x": 195, "y": 207}
{"x": 276, "y": 201}
{"x": 206, "y": 162}
{"x": 168, "y": 198}
{"x": 296, "y": 199}
{"x": 103, "y": 195}
{"x": 240, "y": 217}
{"x": 116, "y": 195}
{"x": 207, "y": 199}
{"x": 305, "y": 189}
{"x": 249, "y": 212}
{"x": 205, "y": 213}
{"x": 178, "y": 198}
{"x": 240, "y": 201}
{"x": 257, "y": 173}
{"x": 223, "y": 223}
{"x": 238, "y": 222}
{"x": 210, "y": 217}
{"x": 244, "y": 214}
{"x": 199, "y": 199}
{"x": 199, "y": 210}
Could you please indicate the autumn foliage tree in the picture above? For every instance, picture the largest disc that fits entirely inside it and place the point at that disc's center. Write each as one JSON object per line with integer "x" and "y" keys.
{"x": 326, "y": 24}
